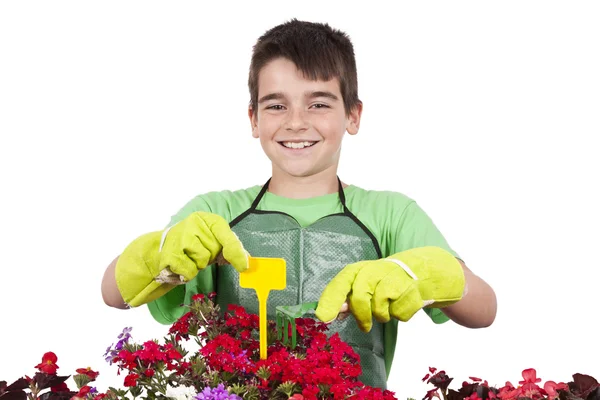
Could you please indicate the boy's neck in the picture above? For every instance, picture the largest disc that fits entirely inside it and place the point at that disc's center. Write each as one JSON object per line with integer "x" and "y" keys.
{"x": 304, "y": 187}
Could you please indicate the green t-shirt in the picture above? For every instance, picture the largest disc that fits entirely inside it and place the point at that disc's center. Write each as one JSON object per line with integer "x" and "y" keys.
{"x": 396, "y": 221}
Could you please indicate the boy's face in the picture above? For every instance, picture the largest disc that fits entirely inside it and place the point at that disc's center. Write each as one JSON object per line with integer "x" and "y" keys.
{"x": 300, "y": 123}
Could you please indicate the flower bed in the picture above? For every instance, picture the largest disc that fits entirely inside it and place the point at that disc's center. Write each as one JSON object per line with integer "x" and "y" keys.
{"x": 583, "y": 387}
{"x": 225, "y": 365}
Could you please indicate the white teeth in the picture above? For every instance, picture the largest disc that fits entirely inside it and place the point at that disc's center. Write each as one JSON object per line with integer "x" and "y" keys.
{"x": 297, "y": 145}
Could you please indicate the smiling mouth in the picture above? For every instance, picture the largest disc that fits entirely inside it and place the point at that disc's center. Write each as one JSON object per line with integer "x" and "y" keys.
{"x": 297, "y": 145}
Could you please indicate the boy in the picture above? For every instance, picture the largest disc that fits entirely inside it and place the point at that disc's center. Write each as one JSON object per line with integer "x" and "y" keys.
{"x": 377, "y": 251}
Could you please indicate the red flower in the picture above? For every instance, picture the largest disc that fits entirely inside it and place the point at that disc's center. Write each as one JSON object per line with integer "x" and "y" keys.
{"x": 83, "y": 392}
{"x": 172, "y": 353}
{"x": 198, "y": 297}
{"x": 88, "y": 371}
{"x": 245, "y": 334}
{"x": 474, "y": 396}
{"x": 126, "y": 359}
{"x": 310, "y": 392}
{"x": 48, "y": 364}
{"x": 151, "y": 352}
{"x": 296, "y": 397}
{"x": 149, "y": 372}
{"x": 131, "y": 380}
{"x": 431, "y": 394}
{"x": 182, "y": 326}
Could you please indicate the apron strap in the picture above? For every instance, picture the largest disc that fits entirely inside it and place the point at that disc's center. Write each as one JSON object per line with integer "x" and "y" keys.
{"x": 342, "y": 196}
{"x": 259, "y": 196}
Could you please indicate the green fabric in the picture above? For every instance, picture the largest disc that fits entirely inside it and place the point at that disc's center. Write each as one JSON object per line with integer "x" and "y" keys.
{"x": 313, "y": 255}
{"x": 396, "y": 221}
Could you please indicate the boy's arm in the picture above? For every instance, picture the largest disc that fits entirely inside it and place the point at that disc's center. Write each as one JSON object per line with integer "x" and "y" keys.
{"x": 110, "y": 292}
{"x": 421, "y": 271}
{"x": 477, "y": 309}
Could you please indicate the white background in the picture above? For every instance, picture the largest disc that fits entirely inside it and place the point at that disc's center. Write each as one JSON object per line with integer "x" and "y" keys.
{"x": 114, "y": 114}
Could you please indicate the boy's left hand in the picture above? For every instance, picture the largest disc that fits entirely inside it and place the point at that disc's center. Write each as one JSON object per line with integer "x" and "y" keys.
{"x": 397, "y": 286}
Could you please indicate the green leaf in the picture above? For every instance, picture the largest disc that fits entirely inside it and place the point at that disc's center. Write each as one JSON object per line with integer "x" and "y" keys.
{"x": 288, "y": 388}
{"x": 135, "y": 391}
{"x": 81, "y": 380}
{"x": 118, "y": 392}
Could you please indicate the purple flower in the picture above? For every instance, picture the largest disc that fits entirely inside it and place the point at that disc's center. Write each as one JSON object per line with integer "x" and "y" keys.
{"x": 112, "y": 352}
{"x": 218, "y": 393}
{"x": 125, "y": 333}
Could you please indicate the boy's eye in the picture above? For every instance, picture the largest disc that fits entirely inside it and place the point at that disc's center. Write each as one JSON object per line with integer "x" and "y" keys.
{"x": 320, "y": 105}
{"x": 275, "y": 107}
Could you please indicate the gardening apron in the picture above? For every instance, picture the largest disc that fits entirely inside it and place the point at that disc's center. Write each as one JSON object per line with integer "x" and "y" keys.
{"x": 314, "y": 255}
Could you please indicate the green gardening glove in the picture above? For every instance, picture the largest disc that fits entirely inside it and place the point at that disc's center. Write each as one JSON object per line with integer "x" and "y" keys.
{"x": 156, "y": 262}
{"x": 397, "y": 286}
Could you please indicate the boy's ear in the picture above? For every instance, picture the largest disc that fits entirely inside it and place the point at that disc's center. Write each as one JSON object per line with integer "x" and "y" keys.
{"x": 253, "y": 121}
{"x": 354, "y": 119}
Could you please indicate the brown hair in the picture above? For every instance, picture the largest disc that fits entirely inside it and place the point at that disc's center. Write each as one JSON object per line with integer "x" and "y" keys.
{"x": 319, "y": 51}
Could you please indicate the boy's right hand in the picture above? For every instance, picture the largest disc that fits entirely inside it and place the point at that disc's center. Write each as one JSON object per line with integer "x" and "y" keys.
{"x": 147, "y": 267}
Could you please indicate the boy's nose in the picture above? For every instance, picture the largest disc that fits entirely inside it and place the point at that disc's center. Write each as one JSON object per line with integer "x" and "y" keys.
{"x": 296, "y": 121}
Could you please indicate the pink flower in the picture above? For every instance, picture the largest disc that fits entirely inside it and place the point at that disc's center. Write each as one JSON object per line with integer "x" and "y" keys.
{"x": 529, "y": 376}
{"x": 508, "y": 392}
{"x": 552, "y": 388}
